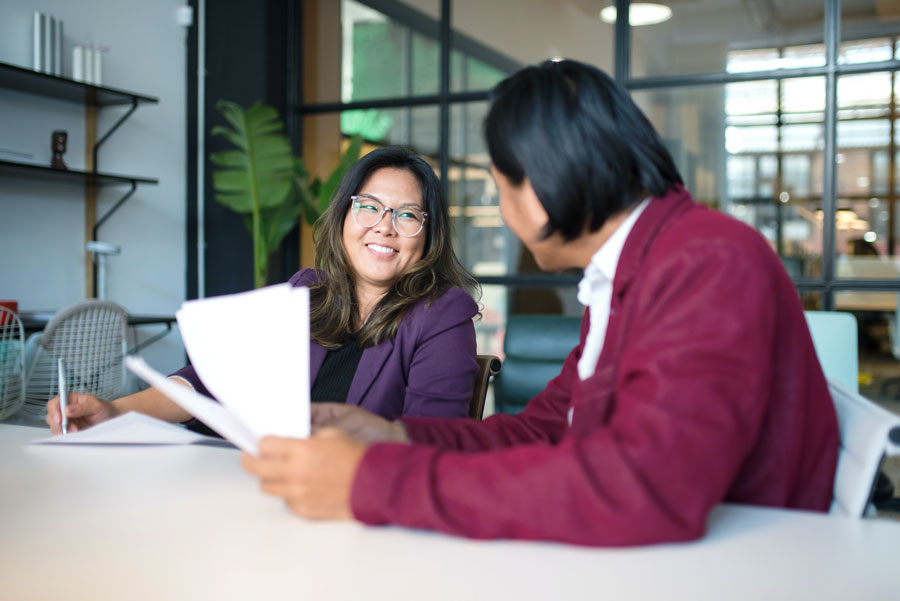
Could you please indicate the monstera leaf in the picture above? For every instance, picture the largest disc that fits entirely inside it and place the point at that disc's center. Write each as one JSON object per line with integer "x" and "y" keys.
{"x": 258, "y": 174}
{"x": 256, "y": 179}
{"x": 263, "y": 181}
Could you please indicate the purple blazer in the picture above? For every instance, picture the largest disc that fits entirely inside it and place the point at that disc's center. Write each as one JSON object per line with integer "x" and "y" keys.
{"x": 427, "y": 369}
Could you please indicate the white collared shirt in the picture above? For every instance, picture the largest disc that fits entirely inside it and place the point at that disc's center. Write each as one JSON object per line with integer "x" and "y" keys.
{"x": 595, "y": 290}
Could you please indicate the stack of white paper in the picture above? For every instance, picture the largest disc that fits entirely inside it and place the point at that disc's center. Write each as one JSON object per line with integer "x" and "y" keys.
{"x": 251, "y": 350}
{"x": 130, "y": 428}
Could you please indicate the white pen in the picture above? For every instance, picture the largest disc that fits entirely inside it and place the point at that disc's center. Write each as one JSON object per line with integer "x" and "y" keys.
{"x": 63, "y": 396}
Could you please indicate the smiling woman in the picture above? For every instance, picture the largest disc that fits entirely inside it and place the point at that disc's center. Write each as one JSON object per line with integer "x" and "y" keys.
{"x": 391, "y": 307}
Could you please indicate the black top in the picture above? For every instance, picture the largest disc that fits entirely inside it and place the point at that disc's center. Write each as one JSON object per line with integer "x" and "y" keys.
{"x": 336, "y": 374}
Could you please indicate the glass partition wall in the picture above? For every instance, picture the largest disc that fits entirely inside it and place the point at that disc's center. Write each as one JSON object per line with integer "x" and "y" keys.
{"x": 418, "y": 73}
{"x": 781, "y": 113}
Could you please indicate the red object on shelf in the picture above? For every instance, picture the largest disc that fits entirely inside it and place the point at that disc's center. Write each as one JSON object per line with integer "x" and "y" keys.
{"x": 12, "y": 306}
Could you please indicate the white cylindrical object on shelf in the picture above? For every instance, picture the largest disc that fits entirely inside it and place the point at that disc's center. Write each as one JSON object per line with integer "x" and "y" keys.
{"x": 47, "y": 62}
{"x": 58, "y": 49}
{"x": 98, "y": 67}
{"x": 38, "y": 41}
{"x": 78, "y": 63}
{"x": 88, "y": 65}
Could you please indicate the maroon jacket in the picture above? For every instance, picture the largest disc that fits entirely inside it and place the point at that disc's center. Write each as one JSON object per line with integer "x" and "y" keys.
{"x": 708, "y": 390}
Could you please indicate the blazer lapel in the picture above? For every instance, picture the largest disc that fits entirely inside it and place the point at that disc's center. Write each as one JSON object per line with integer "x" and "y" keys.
{"x": 370, "y": 365}
{"x": 316, "y": 358}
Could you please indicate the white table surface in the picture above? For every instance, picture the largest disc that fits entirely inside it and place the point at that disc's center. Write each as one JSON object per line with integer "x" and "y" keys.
{"x": 185, "y": 522}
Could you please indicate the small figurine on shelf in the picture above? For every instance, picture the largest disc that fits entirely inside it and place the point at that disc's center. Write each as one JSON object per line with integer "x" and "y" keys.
{"x": 59, "y": 147}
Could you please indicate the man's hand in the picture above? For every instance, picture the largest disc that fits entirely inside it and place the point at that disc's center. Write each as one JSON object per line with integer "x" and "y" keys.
{"x": 313, "y": 476}
{"x": 357, "y": 422}
{"x": 83, "y": 411}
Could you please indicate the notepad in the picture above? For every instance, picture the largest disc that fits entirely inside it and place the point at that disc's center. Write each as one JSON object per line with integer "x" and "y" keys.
{"x": 251, "y": 350}
{"x": 130, "y": 428}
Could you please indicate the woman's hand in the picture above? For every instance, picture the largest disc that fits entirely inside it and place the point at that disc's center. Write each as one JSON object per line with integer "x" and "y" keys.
{"x": 357, "y": 422}
{"x": 83, "y": 411}
{"x": 313, "y": 476}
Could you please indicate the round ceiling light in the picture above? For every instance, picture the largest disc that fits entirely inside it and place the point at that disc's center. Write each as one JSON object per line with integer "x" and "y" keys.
{"x": 639, "y": 13}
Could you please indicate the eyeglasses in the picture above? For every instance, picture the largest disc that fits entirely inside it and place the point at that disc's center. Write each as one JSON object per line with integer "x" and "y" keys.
{"x": 368, "y": 211}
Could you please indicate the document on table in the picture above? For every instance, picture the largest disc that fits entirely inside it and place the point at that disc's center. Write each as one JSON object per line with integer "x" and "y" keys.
{"x": 130, "y": 428}
{"x": 251, "y": 350}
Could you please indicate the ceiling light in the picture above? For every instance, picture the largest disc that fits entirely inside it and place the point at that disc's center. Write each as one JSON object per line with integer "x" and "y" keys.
{"x": 639, "y": 13}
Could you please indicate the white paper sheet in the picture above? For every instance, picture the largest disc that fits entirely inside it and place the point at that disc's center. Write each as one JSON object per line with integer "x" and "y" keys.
{"x": 129, "y": 428}
{"x": 251, "y": 350}
{"x": 206, "y": 410}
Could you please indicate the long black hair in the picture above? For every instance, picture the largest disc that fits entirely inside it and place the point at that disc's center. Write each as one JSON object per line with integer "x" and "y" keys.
{"x": 581, "y": 141}
{"x": 334, "y": 308}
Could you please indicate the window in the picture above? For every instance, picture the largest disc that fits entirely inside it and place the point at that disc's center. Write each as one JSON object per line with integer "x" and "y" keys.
{"x": 739, "y": 92}
{"x": 760, "y": 86}
{"x": 373, "y": 67}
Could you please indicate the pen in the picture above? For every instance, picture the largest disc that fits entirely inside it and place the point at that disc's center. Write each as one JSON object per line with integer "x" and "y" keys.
{"x": 63, "y": 396}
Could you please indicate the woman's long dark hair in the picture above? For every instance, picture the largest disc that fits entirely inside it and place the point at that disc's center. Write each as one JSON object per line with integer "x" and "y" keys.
{"x": 580, "y": 139}
{"x": 334, "y": 307}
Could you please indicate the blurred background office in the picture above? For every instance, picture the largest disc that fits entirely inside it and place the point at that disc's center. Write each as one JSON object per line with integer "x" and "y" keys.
{"x": 782, "y": 113}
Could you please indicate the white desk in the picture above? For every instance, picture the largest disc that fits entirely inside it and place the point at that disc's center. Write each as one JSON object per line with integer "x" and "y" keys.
{"x": 185, "y": 523}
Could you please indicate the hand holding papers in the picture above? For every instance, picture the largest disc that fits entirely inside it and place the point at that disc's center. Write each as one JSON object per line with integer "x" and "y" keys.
{"x": 251, "y": 350}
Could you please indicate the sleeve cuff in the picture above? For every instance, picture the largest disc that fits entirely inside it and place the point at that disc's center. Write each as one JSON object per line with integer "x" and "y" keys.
{"x": 180, "y": 379}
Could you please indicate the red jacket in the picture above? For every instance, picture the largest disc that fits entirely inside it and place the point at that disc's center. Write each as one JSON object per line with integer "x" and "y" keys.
{"x": 708, "y": 390}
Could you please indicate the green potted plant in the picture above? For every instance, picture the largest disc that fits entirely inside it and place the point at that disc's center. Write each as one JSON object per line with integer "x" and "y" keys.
{"x": 265, "y": 183}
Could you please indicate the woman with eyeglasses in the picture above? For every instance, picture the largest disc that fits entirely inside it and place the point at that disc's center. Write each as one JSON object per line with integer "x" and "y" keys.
{"x": 390, "y": 305}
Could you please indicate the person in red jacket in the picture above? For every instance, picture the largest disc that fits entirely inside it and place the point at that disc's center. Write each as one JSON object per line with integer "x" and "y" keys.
{"x": 695, "y": 381}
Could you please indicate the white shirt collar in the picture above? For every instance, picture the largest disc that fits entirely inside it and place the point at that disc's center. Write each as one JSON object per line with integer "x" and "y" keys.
{"x": 601, "y": 271}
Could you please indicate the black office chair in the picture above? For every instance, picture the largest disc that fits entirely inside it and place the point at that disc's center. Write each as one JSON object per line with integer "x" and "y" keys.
{"x": 536, "y": 346}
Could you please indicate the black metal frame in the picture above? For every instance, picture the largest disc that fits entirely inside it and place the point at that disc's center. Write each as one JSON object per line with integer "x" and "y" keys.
{"x": 827, "y": 283}
{"x": 53, "y": 86}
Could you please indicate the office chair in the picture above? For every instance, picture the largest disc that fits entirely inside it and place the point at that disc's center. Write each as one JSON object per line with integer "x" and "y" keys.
{"x": 536, "y": 346}
{"x": 90, "y": 339}
{"x": 488, "y": 365}
{"x": 834, "y": 335}
{"x": 12, "y": 363}
{"x": 868, "y": 433}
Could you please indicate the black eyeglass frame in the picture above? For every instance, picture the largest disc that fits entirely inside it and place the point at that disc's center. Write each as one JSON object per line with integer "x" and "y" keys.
{"x": 354, "y": 209}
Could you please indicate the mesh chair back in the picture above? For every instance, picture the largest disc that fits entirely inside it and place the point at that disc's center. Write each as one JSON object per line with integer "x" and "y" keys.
{"x": 12, "y": 363}
{"x": 90, "y": 339}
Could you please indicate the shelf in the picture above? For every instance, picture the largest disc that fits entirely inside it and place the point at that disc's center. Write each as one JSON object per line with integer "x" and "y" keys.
{"x": 43, "y": 172}
{"x": 42, "y": 84}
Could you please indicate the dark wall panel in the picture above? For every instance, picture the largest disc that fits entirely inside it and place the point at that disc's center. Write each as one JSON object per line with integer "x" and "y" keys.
{"x": 246, "y": 61}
